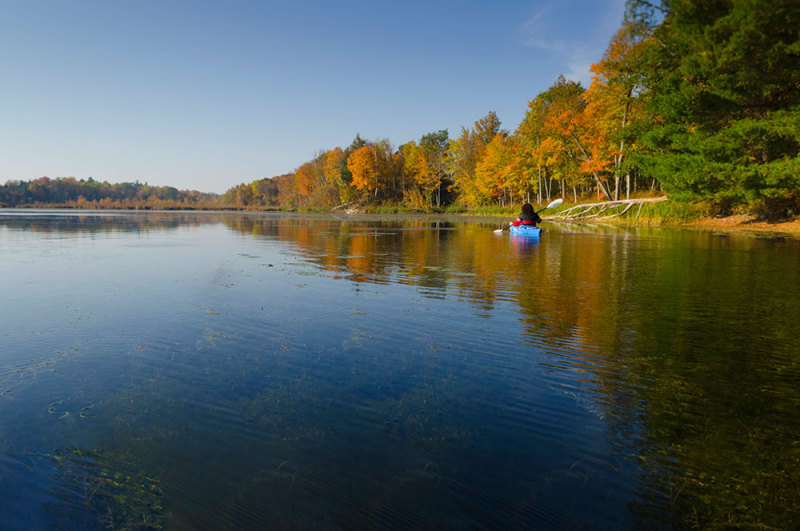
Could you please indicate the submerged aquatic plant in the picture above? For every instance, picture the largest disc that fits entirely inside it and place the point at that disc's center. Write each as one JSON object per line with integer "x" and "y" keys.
{"x": 95, "y": 489}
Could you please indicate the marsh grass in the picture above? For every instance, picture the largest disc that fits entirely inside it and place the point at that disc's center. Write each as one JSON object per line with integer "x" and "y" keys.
{"x": 391, "y": 208}
{"x": 669, "y": 212}
{"x": 656, "y": 213}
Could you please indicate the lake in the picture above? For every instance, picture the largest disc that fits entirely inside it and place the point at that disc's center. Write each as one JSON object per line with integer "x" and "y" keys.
{"x": 243, "y": 371}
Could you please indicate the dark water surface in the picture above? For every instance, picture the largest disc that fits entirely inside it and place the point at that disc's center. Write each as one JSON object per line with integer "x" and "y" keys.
{"x": 245, "y": 371}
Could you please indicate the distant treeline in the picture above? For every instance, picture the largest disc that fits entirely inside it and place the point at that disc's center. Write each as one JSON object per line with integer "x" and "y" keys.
{"x": 70, "y": 192}
{"x": 698, "y": 98}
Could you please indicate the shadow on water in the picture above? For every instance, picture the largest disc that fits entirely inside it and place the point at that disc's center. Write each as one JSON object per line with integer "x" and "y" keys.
{"x": 428, "y": 373}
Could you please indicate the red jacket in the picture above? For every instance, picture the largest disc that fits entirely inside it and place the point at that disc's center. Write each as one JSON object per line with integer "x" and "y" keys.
{"x": 517, "y": 223}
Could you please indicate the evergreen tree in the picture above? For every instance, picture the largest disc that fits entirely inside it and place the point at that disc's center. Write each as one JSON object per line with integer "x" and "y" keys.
{"x": 724, "y": 82}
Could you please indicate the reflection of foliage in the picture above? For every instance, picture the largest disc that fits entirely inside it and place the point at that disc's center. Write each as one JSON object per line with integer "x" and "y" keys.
{"x": 692, "y": 380}
{"x": 404, "y": 251}
{"x": 100, "y": 490}
{"x": 735, "y": 444}
{"x": 78, "y": 222}
{"x": 713, "y": 364}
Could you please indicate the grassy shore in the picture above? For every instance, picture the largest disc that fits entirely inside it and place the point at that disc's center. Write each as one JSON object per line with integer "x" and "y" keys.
{"x": 699, "y": 216}
{"x": 676, "y": 214}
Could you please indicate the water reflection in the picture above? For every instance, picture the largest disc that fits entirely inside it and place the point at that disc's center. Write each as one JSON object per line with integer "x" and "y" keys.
{"x": 689, "y": 341}
{"x": 421, "y": 372}
{"x": 93, "y": 222}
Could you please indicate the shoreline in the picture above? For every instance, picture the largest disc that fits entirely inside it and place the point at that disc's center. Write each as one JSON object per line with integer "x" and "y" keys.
{"x": 734, "y": 224}
{"x": 747, "y": 225}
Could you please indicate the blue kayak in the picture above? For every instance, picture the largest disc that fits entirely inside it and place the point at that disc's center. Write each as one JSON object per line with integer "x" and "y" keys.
{"x": 526, "y": 230}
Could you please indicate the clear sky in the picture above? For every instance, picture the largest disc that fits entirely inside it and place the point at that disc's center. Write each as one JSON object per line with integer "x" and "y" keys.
{"x": 208, "y": 94}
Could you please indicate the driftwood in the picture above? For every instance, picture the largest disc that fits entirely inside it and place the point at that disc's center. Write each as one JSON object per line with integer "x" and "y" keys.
{"x": 342, "y": 206}
{"x": 604, "y": 210}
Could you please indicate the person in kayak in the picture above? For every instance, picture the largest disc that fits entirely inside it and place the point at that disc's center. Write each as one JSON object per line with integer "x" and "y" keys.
{"x": 527, "y": 216}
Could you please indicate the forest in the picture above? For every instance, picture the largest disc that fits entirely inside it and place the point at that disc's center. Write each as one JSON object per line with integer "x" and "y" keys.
{"x": 696, "y": 99}
{"x": 88, "y": 193}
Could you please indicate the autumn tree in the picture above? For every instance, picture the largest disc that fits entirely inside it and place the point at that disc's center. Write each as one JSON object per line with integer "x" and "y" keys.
{"x": 363, "y": 166}
{"x": 552, "y": 154}
{"x": 464, "y": 153}
{"x": 413, "y": 165}
{"x": 616, "y": 95}
{"x": 491, "y": 171}
{"x": 565, "y": 119}
{"x": 388, "y": 173}
{"x": 303, "y": 180}
{"x": 286, "y": 195}
{"x": 336, "y": 173}
{"x": 433, "y": 165}
{"x": 265, "y": 192}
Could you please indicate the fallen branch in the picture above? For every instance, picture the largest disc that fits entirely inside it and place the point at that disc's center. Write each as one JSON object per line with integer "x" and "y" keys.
{"x": 621, "y": 212}
{"x": 593, "y": 210}
{"x": 342, "y": 206}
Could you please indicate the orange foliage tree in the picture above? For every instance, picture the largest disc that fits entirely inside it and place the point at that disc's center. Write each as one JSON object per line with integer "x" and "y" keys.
{"x": 363, "y": 166}
{"x": 613, "y": 96}
{"x": 564, "y": 118}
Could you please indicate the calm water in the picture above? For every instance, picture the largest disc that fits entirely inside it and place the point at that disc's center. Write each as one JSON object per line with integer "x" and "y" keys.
{"x": 208, "y": 371}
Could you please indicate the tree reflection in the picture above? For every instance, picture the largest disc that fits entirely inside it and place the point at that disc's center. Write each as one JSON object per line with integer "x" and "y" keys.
{"x": 689, "y": 342}
{"x": 88, "y": 222}
{"x": 684, "y": 346}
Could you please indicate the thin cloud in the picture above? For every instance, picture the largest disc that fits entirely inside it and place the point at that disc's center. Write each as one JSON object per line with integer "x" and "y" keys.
{"x": 534, "y": 33}
{"x": 586, "y": 43}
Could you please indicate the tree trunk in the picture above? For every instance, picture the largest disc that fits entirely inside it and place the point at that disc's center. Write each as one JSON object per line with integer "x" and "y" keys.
{"x": 618, "y": 158}
{"x": 628, "y": 185}
{"x": 540, "y": 186}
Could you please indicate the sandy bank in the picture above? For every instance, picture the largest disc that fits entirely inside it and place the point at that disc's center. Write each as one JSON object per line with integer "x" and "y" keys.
{"x": 746, "y": 224}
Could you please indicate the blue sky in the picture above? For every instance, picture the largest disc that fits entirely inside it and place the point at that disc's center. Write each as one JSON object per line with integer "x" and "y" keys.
{"x": 209, "y": 94}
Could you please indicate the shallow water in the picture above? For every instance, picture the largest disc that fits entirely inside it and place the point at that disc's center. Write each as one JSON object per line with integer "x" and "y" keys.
{"x": 218, "y": 370}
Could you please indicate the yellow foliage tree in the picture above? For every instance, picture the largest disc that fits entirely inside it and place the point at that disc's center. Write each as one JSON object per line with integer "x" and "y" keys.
{"x": 334, "y": 162}
{"x": 492, "y": 171}
{"x": 464, "y": 153}
{"x": 363, "y": 166}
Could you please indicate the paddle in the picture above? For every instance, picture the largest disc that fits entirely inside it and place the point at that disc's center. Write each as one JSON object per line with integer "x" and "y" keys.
{"x": 552, "y": 204}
